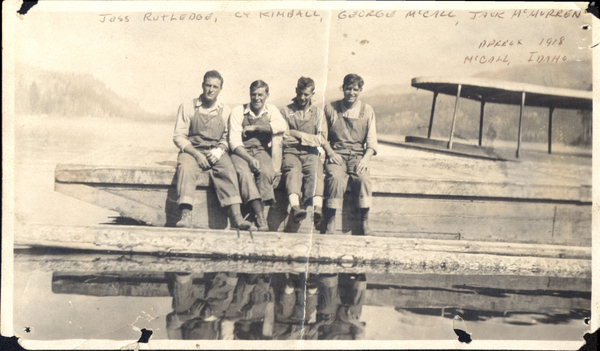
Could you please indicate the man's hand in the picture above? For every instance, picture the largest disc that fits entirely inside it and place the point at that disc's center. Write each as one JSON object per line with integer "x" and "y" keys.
{"x": 254, "y": 165}
{"x": 197, "y": 307}
{"x": 334, "y": 157}
{"x": 215, "y": 154}
{"x": 202, "y": 161}
{"x": 250, "y": 128}
{"x": 362, "y": 166}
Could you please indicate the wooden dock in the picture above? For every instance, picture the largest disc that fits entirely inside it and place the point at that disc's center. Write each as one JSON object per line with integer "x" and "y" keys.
{"x": 415, "y": 195}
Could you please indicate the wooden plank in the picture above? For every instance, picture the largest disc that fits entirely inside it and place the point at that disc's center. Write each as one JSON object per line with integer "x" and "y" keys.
{"x": 408, "y": 255}
{"x": 401, "y": 216}
{"x": 520, "y": 123}
{"x": 551, "y": 110}
{"x": 435, "y": 94}
{"x": 412, "y": 298}
{"x": 481, "y": 123}
{"x": 440, "y": 175}
{"x": 476, "y": 282}
{"x": 507, "y": 92}
{"x": 454, "y": 116}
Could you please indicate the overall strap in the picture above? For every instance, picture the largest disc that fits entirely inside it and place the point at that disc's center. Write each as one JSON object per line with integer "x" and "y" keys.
{"x": 362, "y": 110}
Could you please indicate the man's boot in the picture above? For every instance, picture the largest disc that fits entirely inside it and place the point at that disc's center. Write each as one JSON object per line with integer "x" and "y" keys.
{"x": 236, "y": 218}
{"x": 317, "y": 216}
{"x": 364, "y": 218}
{"x": 328, "y": 222}
{"x": 186, "y": 219}
{"x": 261, "y": 222}
{"x": 297, "y": 214}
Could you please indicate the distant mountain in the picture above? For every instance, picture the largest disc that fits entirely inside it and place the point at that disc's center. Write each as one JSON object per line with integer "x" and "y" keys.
{"x": 40, "y": 91}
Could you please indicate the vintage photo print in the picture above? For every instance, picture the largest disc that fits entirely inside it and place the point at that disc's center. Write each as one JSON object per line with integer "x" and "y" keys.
{"x": 298, "y": 175}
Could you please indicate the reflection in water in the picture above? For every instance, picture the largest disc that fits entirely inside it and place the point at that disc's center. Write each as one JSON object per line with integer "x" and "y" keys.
{"x": 277, "y": 306}
{"x": 219, "y": 304}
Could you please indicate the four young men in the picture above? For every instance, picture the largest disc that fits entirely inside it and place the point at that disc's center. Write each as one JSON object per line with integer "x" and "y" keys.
{"x": 206, "y": 131}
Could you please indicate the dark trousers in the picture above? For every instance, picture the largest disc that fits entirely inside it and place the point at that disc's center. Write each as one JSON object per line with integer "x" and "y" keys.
{"x": 252, "y": 186}
{"x": 222, "y": 175}
{"x": 303, "y": 174}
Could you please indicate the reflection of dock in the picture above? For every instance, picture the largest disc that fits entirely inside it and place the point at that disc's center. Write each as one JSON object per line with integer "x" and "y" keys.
{"x": 498, "y": 293}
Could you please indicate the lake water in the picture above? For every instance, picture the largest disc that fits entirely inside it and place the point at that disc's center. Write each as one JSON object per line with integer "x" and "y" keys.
{"x": 54, "y": 302}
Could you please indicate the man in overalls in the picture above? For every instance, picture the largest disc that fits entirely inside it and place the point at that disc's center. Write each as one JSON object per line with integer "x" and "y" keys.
{"x": 201, "y": 135}
{"x": 302, "y": 171}
{"x": 352, "y": 140}
{"x": 251, "y": 129}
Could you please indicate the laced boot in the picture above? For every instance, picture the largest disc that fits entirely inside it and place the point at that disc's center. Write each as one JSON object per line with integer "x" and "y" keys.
{"x": 236, "y": 218}
{"x": 186, "y": 219}
{"x": 364, "y": 219}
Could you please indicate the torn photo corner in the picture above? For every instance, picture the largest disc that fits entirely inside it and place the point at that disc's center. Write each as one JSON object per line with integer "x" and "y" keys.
{"x": 331, "y": 175}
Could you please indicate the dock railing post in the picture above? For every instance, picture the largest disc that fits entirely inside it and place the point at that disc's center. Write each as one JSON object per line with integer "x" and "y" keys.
{"x": 520, "y": 123}
{"x": 481, "y": 123}
{"x": 454, "y": 116}
{"x": 435, "y": 94}
{"x": 550, "y": 129}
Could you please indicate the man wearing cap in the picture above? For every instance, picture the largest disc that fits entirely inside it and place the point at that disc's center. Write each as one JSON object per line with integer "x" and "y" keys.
{"x": 201, "y": 133}
{"x": 251, "y": 129}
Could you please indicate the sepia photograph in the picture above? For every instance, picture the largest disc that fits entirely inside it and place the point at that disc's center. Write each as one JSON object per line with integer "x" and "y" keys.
{"x": 297, "y": 175}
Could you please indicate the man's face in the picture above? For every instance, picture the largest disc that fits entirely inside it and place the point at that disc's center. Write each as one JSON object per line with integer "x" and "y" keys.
{"x": 211, "y": 89}
{"x": 351, "y": 93}
{"x": 303, "y": 96}
{"x": 258, "y": 98}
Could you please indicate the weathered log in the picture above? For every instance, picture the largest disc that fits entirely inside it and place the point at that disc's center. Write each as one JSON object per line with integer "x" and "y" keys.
{"x": 406, "y": 255}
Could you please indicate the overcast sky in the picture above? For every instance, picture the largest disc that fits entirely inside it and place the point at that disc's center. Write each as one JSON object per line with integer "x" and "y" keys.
{"x": 161, "y": 63}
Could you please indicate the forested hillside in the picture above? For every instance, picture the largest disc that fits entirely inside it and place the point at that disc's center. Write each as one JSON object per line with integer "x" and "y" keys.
{"x": 39, "y": 91}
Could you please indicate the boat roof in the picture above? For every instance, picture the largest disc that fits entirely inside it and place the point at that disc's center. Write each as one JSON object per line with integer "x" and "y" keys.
{"x": 506, "y": 92}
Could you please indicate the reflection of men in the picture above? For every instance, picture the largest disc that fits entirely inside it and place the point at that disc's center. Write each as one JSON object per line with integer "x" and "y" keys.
{"x": 301, "y": 168}
{"x": 340, "y": 306}
{"x": 296, "y": 309}
{"x": 201, "y": 135}
{"x": 206, "y": 304}
{"x": 251, "y": 129}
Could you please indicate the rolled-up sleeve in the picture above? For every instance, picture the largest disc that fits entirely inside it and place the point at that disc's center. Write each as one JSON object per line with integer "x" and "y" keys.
{"x": 371, "y": 141}
{"x": 224, "y": 141}
{"x": 276, "y": 120}
{"x": 235, "y": 127}
{"x": 182, "y": 127}
{"x": 316, "y": 140}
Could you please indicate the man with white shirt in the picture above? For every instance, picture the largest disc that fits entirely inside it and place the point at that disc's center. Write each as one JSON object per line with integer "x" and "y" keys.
{"x": 251, "y": 129}
{"x": 201, "y": 134}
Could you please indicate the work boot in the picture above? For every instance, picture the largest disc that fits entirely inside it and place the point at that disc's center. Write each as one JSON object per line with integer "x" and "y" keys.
{"x": 328, "y": 224}
{"x": 261, "y": 223}
{"x": 297, "y": 214}
{"x": 236, "y": 218}
{"x": 317, "y": 216}
{"x": 364, "y": 219}
{"x": 186, "y": 219}
{"x": 237, "y": 221}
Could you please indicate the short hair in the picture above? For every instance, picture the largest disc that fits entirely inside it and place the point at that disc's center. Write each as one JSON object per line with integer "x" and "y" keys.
{"x": 352, "y": 79}
{"x": 213, "y": 74}
{"x": 305, "y": 82}
{"x": 257, "y": 84}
